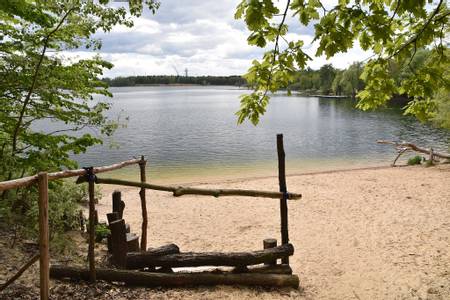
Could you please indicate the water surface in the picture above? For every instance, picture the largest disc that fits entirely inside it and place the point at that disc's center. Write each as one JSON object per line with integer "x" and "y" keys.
{"x": 191, "y": 132}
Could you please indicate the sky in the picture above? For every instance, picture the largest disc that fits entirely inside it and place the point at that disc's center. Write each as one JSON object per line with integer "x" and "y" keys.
{"x": 200, "y": 36}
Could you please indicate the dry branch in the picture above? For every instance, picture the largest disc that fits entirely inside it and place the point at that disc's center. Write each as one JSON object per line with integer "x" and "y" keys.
{"x": 151, "y": 279}
{"x": 410, "y": 146}
{"x": 180, "y": 191}
{"x": 197, "y": 259}
{"x": 20, "y": 272}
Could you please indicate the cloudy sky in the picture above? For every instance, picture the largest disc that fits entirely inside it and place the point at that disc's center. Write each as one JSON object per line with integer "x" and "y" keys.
{"x": 199, "y": 35}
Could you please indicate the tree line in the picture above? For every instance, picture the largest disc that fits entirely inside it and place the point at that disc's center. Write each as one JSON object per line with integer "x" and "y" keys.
{"x": 172, "y": 79}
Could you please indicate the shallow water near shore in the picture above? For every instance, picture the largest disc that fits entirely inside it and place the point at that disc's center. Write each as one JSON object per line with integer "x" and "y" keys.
{"x": 190, "y": 133}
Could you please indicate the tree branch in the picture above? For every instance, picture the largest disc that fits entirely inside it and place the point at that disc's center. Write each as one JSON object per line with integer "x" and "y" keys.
{"x": 33, "y": 83}
{"x": 416, "y": 37}
{"x": 276, "y": 50}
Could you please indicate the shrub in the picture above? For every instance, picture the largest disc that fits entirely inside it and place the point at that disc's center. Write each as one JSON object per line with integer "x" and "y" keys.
{"x": 21, "y": 209}
{"x": 101, "y": 231}
{"x": 416, "y": 160}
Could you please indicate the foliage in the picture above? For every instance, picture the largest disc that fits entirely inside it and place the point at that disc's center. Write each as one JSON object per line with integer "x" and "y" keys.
{"x": 307, "y": 80}
{"x": 442, "y": 115}
{"x": 21, "y": 209}
{"x": 351, "y": 79}
{"x": 101, "y": 231}
{"x": 416, "y": 160}
{"x": 394, "y": 30}
{"x": 39, "y": 84}
{"x": 326, "y": 74}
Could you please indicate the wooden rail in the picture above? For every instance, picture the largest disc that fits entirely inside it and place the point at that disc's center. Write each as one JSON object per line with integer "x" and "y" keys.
{"x": 27, "y": 181}
{"x": 180, "y": 191}
{"x": 41, "y": 180}
{"x": 87, "y": 175}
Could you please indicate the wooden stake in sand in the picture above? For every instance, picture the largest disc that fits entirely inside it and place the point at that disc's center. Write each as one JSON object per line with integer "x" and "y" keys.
{"x": 142, "y": 165}
{"x": 90, "y": 177}
{"x": 44, "y": 256}
{"x": 284, "y": 197}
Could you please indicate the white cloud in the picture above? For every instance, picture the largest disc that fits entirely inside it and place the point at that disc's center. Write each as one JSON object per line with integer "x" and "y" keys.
{"x": 202, "y": 36}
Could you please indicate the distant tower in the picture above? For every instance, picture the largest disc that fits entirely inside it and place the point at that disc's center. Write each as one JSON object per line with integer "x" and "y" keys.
{"x": 186, "y": 72}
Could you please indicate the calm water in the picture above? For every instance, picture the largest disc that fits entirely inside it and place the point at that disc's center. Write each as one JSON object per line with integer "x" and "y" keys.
{"x": 192, "y": 132}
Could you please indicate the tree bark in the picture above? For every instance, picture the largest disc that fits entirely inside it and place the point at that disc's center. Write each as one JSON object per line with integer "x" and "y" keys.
{"x": 134, "y": 259}
{"x": 118, "y": 242}
{"x": 197, "y": 259}
{"x": 150, "y": 279}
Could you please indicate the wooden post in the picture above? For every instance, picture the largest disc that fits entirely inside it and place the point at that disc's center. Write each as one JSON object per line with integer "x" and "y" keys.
{"x": 114, "y": 216}
{"x": 117, "y": 204}
{"x": 142, "y": 164}
{"x": 119, "y": 242}
{"x": 270, "y": 243}
{"x": 91, "y": 253}
{"x": 44, "y": 255}
{"x": 283, "y": 189}
{"x": 431, "y": 156}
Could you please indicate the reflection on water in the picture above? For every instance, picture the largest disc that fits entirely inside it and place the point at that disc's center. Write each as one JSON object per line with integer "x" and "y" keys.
{"x": 193, "y": 130}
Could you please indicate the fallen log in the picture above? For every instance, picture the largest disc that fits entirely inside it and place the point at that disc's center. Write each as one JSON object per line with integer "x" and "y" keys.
{"x": 197, "y": 259}
{"x": 413, "y": 147}
{"x": 180, "y": 191}
{"x": 150, "y": 279}
{"x": 134, "y": 259}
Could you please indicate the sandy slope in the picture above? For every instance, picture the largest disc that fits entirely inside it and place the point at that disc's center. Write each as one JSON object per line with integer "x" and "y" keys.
{"x": 363, "y": 234}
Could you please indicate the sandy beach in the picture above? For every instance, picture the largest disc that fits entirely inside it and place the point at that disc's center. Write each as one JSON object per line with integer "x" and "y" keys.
{"x": 381, "y": 233}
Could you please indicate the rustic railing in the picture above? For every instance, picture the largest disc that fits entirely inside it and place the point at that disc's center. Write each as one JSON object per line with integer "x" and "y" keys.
{"x": 89, "y": 175}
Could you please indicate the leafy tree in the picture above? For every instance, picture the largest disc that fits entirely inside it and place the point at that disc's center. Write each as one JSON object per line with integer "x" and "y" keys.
{"x": 337, "y": 86}
{"x": 327, "y": 74}
{"x": 37, "y": 83}
{"x": 442, "y": 115}
{"x": 351, "y": 79}
{"x": 393, "y": 29}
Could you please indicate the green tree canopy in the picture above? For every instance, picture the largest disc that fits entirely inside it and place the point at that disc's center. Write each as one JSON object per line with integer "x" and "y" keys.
{"x": 37, "y": 83}
{"x": 393, "y": 29}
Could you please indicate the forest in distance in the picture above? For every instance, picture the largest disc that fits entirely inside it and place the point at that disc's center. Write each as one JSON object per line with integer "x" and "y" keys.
{"x": 327, "y": 80}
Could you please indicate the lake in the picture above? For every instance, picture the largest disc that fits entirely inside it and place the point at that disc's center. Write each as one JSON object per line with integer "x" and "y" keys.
{"x": 190, "y": 132}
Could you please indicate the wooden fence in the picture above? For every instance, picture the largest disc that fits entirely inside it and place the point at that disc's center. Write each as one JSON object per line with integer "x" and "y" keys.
{"x": 89, "y": 175}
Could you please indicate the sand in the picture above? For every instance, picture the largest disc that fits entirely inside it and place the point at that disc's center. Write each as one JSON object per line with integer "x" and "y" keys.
{"x": 381, "y": 233}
